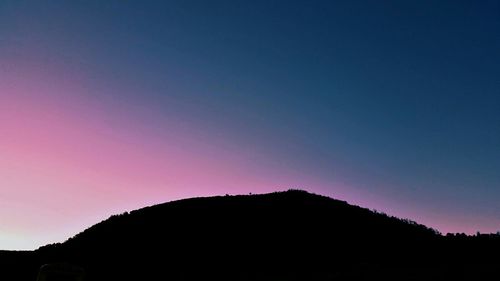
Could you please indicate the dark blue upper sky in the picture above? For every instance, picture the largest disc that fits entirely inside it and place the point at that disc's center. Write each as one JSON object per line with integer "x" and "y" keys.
{"x": 399, "y": 100}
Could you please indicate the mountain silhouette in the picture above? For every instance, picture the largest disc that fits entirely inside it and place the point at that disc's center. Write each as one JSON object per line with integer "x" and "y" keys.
{"x": 292, "y": 235}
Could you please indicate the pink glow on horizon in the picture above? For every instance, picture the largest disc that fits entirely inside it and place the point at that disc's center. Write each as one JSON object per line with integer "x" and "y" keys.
{"x": 68, "y": 162}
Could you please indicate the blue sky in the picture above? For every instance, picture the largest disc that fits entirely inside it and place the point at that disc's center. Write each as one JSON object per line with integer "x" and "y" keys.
{"x": 392, "y": 105}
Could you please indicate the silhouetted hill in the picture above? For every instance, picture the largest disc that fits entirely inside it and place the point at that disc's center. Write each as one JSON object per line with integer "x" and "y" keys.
{"x": 291, "y": 235}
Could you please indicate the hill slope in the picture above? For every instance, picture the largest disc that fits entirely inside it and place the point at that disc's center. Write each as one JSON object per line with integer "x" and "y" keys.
{"x": 290, "y": 235}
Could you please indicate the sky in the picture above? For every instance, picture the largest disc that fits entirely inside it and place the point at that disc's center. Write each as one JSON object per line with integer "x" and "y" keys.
{"x": 109, "y": 106}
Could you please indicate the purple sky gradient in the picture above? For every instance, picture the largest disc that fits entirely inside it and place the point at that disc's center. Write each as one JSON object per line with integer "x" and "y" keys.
{"x": 109, "y": 107}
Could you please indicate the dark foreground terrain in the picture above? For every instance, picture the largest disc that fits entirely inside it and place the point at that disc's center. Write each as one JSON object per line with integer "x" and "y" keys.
{"x": 291, "y": 235}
